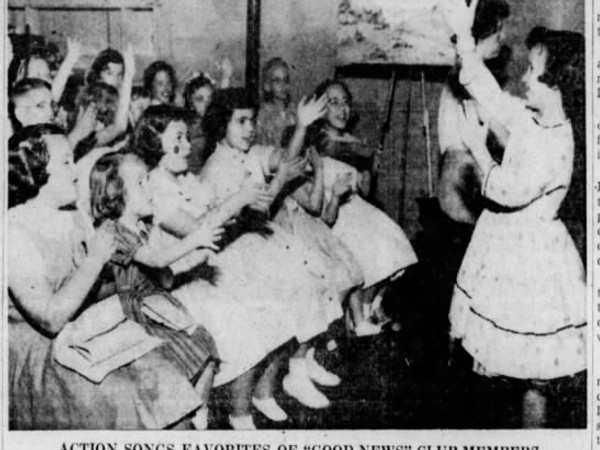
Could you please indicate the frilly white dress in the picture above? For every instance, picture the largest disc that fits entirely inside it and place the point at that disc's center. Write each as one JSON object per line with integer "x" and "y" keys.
{"x": 148, "y": 393}
{"x": 262, "y": 297}
{"x": 342, "y": 271}
{"x": 519, "y": 304}
{"x": 377, "y": 242}
{"x": 286, "y": 257}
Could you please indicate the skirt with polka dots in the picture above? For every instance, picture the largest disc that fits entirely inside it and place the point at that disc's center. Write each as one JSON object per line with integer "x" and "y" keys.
{"x": 519, "y": 302}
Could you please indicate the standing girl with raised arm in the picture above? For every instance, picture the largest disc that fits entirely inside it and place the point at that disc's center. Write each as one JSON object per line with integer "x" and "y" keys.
{"x": 519, "y": 304}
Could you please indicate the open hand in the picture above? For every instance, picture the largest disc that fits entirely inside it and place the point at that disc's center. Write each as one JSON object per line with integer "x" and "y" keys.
{"x": 225, "y": 67}
{"x": 459, "y": 16}
{"x": 312, "y": 109}
{"x": 207, "y": 235}
{"x": 74, "y": 49}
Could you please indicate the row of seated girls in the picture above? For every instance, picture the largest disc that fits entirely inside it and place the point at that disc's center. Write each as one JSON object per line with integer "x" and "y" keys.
{"x": 253, "y": 238}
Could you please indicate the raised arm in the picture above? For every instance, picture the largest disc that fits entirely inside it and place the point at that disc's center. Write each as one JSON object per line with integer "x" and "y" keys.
{"x": 308, "y": 112}
{"x": 119, "y": 126}
{"x": 64, "y": 72}
{"x": 525, "y": 177}
{"x": 34, "y": 296}
{"x": 501, "y": 108}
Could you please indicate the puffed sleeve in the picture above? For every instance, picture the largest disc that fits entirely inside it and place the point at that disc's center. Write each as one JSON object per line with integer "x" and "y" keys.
{"x": 531, "y": 172}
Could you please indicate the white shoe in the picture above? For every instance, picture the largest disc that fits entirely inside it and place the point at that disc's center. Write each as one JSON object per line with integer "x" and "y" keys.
{"x": 297, "y": 384}
{"x": 269, "y": 407}
{"x": 318, "y": 373}
{"x": 200, "y": 419}
{"x": 242, "y": 422}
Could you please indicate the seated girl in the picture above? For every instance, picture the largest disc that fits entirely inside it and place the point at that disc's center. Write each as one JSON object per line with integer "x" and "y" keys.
{"x": 120, "y": 197}
{"x": 377, "y": 242}
{"x": 299, "y": 213}
{"x": 53, "y": 268}
{"x": 36, "y": 65}
{"x": 160, "y": 83}
{"x": 197, "y": 95}
{"x": 256, "y": 295}
{"x": 108, "y": 67}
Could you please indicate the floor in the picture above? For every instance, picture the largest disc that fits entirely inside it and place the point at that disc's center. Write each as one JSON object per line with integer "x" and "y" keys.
{"x": 404, "y": 379}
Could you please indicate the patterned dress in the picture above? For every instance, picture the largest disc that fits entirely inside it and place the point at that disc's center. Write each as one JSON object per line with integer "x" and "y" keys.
{"x": 189, "y": 353}
{"x": 519, "y": 304}
{"x": 149, "y": 393}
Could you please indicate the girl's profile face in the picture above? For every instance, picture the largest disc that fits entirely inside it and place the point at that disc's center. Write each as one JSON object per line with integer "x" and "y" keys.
{"x": 536, "y": 92}
{"x": 35, "y": 107}
{"x": 61, "y": 170}
{"x": 162, "y": 87}
{"x": 176, "y": 147}
{"x": 338, "y": 107}
{"x": 135, "y": 178}
{"x": 201, "y": 98}
{"x": 112, "y": 74}
{"x": 240, "y": 130}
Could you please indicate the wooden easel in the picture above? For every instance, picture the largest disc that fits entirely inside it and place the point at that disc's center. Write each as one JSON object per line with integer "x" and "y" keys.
{"x": 385, "y": 128}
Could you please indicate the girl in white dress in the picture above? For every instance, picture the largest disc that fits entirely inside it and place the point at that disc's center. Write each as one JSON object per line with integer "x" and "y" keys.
{"x": 255, "y": 304}
{"x": 377, "y": 242}
{"x": 519, "y": 302}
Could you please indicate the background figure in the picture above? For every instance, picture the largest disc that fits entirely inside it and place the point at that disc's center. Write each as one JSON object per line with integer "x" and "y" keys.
{"x": 275, "y": 114}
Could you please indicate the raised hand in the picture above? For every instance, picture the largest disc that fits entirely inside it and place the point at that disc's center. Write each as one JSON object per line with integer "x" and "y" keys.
{"x": 459, "y": 16}
{"x": 74, "y": 49}
{"x": 207, "y": 235}
{"x": 310, "y": 110}
{"x": 225, "y": 67}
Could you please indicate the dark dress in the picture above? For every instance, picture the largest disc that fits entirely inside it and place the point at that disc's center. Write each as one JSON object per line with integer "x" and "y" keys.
{"x": 190, "y": 353}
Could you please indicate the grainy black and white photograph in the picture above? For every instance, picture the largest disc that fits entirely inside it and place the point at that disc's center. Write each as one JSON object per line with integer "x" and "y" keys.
{"x": 295, "y": 215}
